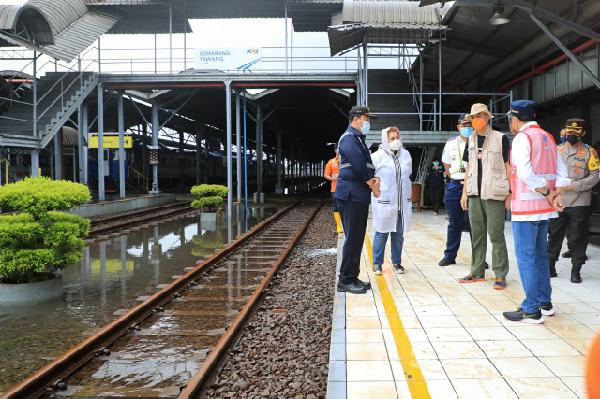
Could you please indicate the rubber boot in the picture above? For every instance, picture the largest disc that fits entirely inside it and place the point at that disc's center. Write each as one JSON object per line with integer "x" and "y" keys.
{"x": 575, "y": 274}
{"x": 338, "y": 222}
{"x": 552, "y": 267}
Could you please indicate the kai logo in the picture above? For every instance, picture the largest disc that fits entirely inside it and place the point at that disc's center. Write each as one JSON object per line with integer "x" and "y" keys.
{"x": 252, "y": 51}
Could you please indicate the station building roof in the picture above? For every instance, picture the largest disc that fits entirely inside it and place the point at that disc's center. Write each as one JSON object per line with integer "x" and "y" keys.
{"x": 477, "y": 55}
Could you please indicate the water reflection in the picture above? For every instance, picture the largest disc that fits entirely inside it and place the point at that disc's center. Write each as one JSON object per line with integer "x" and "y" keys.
{"x": 109, "y": 277}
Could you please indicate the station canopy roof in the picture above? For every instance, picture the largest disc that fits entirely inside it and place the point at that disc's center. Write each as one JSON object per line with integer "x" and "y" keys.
{"x": 478, "y": 55}
{"x": 384, "y": 22}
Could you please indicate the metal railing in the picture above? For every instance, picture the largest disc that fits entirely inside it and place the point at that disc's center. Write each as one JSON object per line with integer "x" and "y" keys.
{"x": 498, "y": 104}
{"x": 138, "y": 176}
{"x": 75, "y": 66}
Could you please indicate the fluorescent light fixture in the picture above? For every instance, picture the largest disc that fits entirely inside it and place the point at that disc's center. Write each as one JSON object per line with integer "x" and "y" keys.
{"x": 498, "y": 18}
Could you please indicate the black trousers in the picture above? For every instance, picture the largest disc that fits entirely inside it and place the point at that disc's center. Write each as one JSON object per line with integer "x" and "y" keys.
{"x": 436, "y": 193}
{"x": 574, "y": 222}
{"x": 354, "y": 219}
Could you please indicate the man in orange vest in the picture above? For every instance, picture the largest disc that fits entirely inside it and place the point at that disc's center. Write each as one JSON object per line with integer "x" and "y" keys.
{"x": 537, "y": 170}
{"x": 331, "y": 173}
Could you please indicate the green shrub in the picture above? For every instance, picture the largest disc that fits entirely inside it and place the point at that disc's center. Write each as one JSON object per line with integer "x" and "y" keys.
{"x": 38, "y": 195}
{"x": 207, "y": 202}
{"x": 40, "y": 239}
{"x": 209, "y": 195}
{"x": 210, "y": 190}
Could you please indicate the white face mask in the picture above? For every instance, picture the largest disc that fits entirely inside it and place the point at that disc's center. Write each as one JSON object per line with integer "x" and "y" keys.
{"x": 395, "y": 145}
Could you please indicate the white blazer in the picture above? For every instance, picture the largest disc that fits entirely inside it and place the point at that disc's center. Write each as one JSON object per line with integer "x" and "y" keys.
{"x": 395, "y": 198}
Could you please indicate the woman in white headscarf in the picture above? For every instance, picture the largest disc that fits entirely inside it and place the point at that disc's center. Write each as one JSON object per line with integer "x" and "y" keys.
{"x": 392, "y": 210}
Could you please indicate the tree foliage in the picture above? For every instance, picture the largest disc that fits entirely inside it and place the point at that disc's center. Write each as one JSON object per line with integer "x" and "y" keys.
{"x": 40, "y": 239}
{"x": 208, "y": 195}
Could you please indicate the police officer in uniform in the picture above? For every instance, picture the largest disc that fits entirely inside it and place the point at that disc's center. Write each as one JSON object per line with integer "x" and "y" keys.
{"x": 356, "y": 181}
{"x": 574, "y": 221}
{"x": 452, "y": 157}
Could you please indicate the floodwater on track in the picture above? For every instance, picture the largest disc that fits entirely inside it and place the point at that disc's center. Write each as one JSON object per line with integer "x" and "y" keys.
{"x": 110, "y": 276}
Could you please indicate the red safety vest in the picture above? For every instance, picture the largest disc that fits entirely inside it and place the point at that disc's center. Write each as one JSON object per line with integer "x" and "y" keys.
{"x": 542, "y": 152}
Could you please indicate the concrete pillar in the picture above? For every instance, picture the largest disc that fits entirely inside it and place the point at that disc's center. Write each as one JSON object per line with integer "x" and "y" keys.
{"x": 100, "y": 142}
{"x": 154, "y": 189}
{"x": 121, "y": 127}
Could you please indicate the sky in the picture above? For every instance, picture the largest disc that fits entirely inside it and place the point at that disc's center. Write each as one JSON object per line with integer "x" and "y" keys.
{"x": 309, "y": 51}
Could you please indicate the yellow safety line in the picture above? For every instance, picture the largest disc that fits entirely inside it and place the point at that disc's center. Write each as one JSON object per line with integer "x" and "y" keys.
{"x": 414, "y": 376}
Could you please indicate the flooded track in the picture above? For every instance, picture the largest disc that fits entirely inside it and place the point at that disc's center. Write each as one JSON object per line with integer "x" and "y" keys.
{"x": 172, "y": 341}
{"x": 112, "y": 274}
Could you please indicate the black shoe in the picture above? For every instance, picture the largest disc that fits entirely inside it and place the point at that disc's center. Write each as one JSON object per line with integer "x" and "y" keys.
{"x": 352, "y": 288}
{"x": 365, "y": 284}
{"x": 576, "y": 274}
{"x": 547, "y": 309}
{"x": 485, "y": 265}
{"x": 523, "y": 317}
{"x": 399, "y": 268}
{"x": 446, "y": 262}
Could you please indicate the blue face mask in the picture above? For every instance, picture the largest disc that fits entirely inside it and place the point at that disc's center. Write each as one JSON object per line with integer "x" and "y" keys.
{"x": 466, "y": 131}
{"x": 366, "y": 127}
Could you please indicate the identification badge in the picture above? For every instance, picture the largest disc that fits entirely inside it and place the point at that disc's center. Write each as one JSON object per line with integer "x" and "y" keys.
{"x": 479, "y": 153}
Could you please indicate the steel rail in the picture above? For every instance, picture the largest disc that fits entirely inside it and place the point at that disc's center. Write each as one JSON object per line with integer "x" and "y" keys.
{"x": 133, "y": 218}
{"x": 195, "y": 385}
{"x": 52, "y": 375}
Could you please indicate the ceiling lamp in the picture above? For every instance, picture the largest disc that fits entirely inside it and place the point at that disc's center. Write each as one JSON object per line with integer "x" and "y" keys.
{"x": 497, "y": 18}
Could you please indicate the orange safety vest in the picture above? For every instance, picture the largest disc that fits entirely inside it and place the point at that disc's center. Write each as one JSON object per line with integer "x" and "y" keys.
{"x": 332, "y": 168}
{"x": 542, "y": 152}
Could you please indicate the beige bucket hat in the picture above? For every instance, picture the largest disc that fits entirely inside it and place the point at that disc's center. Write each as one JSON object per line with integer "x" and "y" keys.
{"x": 479, "y": 108}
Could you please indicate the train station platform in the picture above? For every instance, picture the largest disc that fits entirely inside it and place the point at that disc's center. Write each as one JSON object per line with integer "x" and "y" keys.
{"x": 423, "y": 335}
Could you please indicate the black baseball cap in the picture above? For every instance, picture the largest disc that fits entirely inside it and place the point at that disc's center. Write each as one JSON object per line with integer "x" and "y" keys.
{"x": 358, "y": 111}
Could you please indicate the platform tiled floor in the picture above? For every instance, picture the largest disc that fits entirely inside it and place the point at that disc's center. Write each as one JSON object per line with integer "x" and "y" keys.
{"x": 462, "y": 345}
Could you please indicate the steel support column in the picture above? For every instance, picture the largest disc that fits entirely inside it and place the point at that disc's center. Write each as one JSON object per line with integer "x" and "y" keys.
{"x": 84, "y": 134}
{"x": 259, "y": 149}
{"x": 155, "y": 127}
{"x": 198, "y": 156}
{"x": 279, "y": 187}
{"x": 229, "y": 158}
{"x": 170, "y": 39}
{"x": 34, "y": 90}
{"x": 366, "y": 73}
{"x": 57, "y": 145}
{"x": 238, "y": 146}
{"x": 80, "y": 141}
{"x": 100, "y": 142}
{"x": 35, "y": 163}
{"x": 421, "y": 72}
{"x": 121, "y": 127}
{"x": 286, "y": 37}
{"x": 440, "y": 83}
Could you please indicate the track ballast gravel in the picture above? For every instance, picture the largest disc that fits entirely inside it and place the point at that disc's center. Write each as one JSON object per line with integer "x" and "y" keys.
{"x": 283, "y": 351}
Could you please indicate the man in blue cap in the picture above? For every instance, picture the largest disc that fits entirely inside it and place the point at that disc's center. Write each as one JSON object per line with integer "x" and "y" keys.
{"x": 356, "y": 181}
{"x": 537, "y": 170}
{"x": 455, "y": 168}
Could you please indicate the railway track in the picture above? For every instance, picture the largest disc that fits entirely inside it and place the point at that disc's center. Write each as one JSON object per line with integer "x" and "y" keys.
{"x": 114, "y": 222}
{"x": 169, "y": 345}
